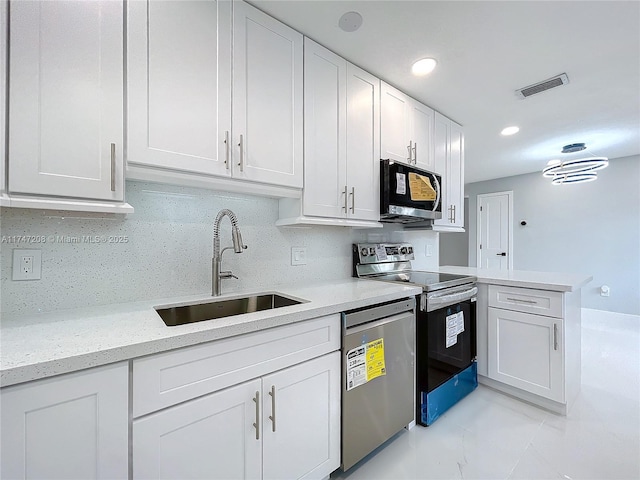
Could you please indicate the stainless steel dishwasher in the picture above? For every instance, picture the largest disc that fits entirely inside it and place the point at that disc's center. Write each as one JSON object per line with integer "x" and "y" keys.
{"x": 378, "y": 353}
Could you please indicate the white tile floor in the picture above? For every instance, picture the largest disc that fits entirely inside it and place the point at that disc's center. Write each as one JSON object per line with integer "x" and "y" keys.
{"x": 489, "y": 435}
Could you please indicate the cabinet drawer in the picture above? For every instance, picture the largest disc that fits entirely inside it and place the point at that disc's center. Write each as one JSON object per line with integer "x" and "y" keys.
{"x": 540, "y": 302}
{"x": 168, "y": 378}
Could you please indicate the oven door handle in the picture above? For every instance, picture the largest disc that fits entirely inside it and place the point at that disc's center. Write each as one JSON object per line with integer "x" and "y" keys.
{"x": 434, "y": 302}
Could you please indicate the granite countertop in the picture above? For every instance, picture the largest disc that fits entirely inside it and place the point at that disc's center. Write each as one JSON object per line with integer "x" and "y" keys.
{"x": 48, "y": 344}
{"x": 559, "y": 282}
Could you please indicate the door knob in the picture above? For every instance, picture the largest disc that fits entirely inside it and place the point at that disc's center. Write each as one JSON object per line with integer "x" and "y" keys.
{"x": 503, "y": 254}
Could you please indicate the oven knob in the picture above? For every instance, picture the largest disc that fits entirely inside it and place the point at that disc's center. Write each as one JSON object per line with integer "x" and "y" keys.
{"x": 372, "y": 251}
{"x": 403, "y": 250}
{"x": 364, "y": 252}
{"x": 410, "y": 250}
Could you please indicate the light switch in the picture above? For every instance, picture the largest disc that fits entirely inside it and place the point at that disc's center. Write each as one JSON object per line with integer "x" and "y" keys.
{"x": 298, "y": 256}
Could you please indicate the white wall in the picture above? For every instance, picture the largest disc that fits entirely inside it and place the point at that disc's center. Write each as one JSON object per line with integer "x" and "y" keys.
{"x": 169, "y": 248}
{"x": 591, "y": 228}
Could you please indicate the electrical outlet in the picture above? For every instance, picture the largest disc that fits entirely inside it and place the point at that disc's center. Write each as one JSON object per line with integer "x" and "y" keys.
{"x": 298, "y": 256}
{"x": 27, "y": 264}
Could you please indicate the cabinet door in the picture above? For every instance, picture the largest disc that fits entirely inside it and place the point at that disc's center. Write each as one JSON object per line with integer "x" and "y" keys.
{"x": 525, "y": 351}
{"x": 422, "y": 118}
{"x": 179, "y": 85}
{"x": 325, "y": 132}
{"x": 72, "y": 426}
{"x": 66, "y": 99}
{"x": 302, "y": 420}
{"x": 455, "y": 174}
{"x": 3, "y": 99}
{"x": 363, "y": 144}
{"x": 441, "y": 132}
{"x": 212, "y": 437}
{"x": 267, "y": 99}
{"x": 395, "y": 129}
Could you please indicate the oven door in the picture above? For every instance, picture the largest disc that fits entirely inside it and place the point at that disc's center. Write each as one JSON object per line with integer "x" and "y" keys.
{"x": 446, "y": 336}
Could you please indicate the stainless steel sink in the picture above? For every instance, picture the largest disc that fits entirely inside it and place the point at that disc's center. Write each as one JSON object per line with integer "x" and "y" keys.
{"x": 181, "y": 314}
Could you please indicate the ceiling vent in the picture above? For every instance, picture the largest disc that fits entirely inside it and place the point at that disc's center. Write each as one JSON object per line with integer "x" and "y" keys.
{"x": 556, "y": 81}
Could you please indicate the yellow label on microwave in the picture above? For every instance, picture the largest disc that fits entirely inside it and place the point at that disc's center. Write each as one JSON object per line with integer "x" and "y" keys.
{"x": 420, "y": 188}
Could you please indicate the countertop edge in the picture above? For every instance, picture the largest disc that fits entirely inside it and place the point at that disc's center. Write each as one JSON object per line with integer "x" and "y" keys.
{"x": 61, "y": 364}
{"x": 558, "y": 282}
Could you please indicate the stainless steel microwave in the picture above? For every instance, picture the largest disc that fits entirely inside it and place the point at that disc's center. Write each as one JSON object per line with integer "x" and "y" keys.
{"x": 408, "y": 194}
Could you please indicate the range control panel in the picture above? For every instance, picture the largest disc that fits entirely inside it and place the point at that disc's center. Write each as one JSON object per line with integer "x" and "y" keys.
{"x": 367, "y": 253}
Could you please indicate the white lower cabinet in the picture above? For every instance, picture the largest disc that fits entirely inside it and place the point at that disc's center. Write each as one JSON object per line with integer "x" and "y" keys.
{"x": 283, "y": 425}
{"x": 211, "y": 437}
{"x": 264, "y": 405}
{"x": 72, "y": 426}
{"x": 525, "y": 352}
{"x": 532, "y": 340}
{"x": 301, "y": 420}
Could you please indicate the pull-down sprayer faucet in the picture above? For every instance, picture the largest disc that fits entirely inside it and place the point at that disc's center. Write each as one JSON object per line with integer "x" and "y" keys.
{"x": 238, "y": 246}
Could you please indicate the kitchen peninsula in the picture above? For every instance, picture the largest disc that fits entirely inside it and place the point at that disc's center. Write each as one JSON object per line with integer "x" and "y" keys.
{"x": 528, "y": 331}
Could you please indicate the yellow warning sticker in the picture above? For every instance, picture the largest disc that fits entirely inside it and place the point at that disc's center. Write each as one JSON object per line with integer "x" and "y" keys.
{"x": 420, "y": 188}
{"x": 364, "y": 363}
{"x": 375, "y": 359}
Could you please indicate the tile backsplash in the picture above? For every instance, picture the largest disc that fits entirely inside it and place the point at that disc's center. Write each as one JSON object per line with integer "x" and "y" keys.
{"x": 164, "y": 249}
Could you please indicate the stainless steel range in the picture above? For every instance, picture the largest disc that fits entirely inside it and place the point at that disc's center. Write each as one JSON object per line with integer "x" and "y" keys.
{"x": 445, "y": 325}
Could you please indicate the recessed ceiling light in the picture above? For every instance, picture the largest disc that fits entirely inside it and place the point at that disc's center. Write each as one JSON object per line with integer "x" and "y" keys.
{"x": 424, "y": 66}
{"x": 510, "y": 130}
{"x": 350, "y": 21}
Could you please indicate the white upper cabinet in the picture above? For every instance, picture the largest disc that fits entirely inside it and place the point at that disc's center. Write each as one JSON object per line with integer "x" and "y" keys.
{"x": 182, "y": 96}
{"x": 341, "y": 143}
{"x": 3, "y": 100}
{"x": 325, "y": 132}
{"x": 406, "y": 129}
{"x": 267, "y": 98}
{"x": 66, "y": 100}
{"x": 449, "y": 162}
{"x": 178, "y": 85}
{"x": 363, "y": 144}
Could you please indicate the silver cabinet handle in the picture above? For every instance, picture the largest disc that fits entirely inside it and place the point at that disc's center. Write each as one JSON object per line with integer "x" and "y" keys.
{"x": 345, "y": 208}
{"x": 257, "y": 424}
{"x": 113, "y": 167}
{"x": 272, "y": 417}
{"x": 226, "y": 152}
{"x": 530, "y": 302}
{"x": 450, "y": 213}
{"x": 555, "y": 336}
{"x": 353, "y": 199}
{"x": 410, "y": 149}
{"x": 241, "y": 145}
{"x": 454, "y": 213}
{"x": 415, "y": 153}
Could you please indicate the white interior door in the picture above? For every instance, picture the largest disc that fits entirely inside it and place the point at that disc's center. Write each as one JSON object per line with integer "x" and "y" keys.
{"x": 495, "y": 230}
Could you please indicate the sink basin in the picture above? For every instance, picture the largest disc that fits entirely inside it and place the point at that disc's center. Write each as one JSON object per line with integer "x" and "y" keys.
{"x": 181, "y": 314}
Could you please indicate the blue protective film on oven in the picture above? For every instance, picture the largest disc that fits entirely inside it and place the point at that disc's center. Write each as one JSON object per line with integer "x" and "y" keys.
{"x": 435, "y": 403}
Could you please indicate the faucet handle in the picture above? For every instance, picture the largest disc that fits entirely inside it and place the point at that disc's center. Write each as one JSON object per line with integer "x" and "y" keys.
{"x": 227, "y": 274}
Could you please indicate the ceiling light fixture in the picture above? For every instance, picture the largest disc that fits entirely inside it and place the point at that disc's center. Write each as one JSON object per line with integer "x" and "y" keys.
{"x": 580, "y": 170}
{"x": 510, "y": 131}
{"x": 424, "y": 66}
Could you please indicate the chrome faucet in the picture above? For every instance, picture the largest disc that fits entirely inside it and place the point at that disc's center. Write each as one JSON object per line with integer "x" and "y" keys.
{"x": 238, "y": 246}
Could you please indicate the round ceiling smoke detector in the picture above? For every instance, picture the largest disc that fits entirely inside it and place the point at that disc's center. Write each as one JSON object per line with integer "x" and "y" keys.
{"x": 350, "y": 21}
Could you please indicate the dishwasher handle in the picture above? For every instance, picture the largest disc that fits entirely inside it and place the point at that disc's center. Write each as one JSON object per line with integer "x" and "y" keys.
{"x": 377, "y": 323}
{"x": 369, "y": 314}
